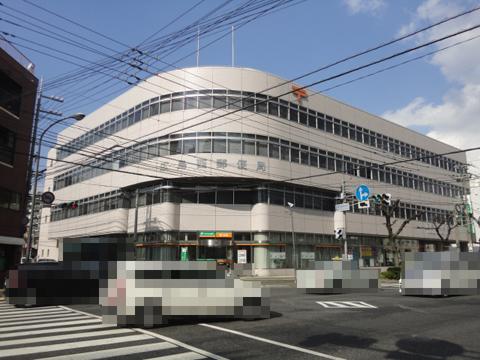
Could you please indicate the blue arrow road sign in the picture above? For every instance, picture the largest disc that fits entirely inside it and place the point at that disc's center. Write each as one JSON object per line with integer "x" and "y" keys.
{"x": 362, "y": 193}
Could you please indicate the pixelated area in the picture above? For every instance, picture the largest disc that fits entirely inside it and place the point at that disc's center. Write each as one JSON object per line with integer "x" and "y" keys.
{"x": 75, "y": 280}
{"x": 441, "y": 273}
{"x": 334, "y": 277}
{"x": 149, "y": 293}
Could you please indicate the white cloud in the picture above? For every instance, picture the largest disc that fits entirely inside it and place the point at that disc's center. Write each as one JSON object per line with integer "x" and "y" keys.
{"x": 456, "y": 118}
{"x": 365, "y": 6}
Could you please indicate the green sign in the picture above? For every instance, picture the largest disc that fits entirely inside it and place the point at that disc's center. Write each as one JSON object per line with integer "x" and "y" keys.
{"x": 207, "y": 234}
{"x": 184, "y": 253}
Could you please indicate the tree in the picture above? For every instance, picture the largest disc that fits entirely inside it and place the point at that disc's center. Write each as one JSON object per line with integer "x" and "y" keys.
{"x": 443, "y": 226}
{"x": 389, "y": 208}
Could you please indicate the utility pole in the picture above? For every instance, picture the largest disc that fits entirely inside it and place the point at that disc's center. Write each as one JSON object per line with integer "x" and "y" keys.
{"x": 295, "y": 261}
{"x": 38, "y": 110}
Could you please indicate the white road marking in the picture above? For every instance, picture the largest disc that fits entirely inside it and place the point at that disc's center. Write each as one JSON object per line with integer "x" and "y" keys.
{"x": 184, "y": 356}
{"x": 113, "y": 353}
{"x": 31, "y": 317}
{"x": 181, "y": 344}
{"x": 47, "y": 325}
{"x": 27, "y": 310}
{"x": 71, "y": 345}
{"x": 291, "y": 347}
{"x": 346, "y": 305}
{"x": 53, "y": 331}
{"x": 162, "y": 337}
{"x": 65, "y": 337}
{"x": 45, "y": 321}
{"x": 54, "y": 312}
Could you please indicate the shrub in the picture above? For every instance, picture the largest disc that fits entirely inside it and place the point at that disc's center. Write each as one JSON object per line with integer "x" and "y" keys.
{"x": 392, "y": 273}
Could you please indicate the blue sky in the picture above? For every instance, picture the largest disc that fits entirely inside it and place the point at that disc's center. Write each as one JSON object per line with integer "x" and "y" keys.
{"x": 438, "y": 95}
{"x": 286, "y": 43}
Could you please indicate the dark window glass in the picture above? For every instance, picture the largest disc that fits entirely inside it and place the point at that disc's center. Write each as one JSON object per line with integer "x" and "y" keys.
{"x": 136, "y": 117}
{"x": 145, "y": 114}
{"x": 303, "y": 118}
{"x": 273, "y": 150}
{"x": 204, "y": 145}
{"x": 328, "y": 126}
{"x": 175, "y": 147}
{"x": 285, "y": 153}
{"x": 245, "y": 197}
{"x": 154, "y": 110}
{"x": 219, "y": 145}
{"x": 234, "y": 102}
{"x": 205, "y": 102}
{"x": 293, "y": 115}
{"x": 188, "y": 196}
{"x": 177, "y": 104}
{"x": 336, "y": 129}
{"x": 304, "y": 157}
{"x": 165, "y": 107}
{"x": 248, "y": 104}
{"x": 344, "y": 131}
{"x": 191, "y": 103}
{"x": 234, "y": 146}
{"x": 248, "y": 147}
{"x": 276, "y": 197}
{"x": 294, "y": 155}
{"x": 312, "y": 121}
{"x": 189, "y": 146}
{"x": 273, "y": 108}
{"x": 262, "y": 148}
{"x": 321, "y": 123}
{"x": 262, "y": 106}
{"x": 225, "y": 197}
{"x": 206, "y": 197}
{"x": 322, "y": 162}
{"x": 219, "y": 102}
{"x": 10, "y": 94}
{"x": 313, "y": 160}
{"x": 7, "y": 145}
{"x": 283, "y": 112}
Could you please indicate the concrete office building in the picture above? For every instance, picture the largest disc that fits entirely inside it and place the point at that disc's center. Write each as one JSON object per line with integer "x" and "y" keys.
{"x": 18, "y": 86}
{"x": 209, "y": 179}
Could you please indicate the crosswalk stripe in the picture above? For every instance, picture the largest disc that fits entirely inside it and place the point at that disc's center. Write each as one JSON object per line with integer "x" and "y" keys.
{"x": 46, "y": 321}
{"x": 71, "y": 345}
{"x": 64, "y": 337}
{"x": 329, "y": 304}
{"x": 55, "y": 330}
{"x": 47, "y": 325}
{"x": 369, "y": 305}
{"x": 183, "y": 356}
{"x": 113, "y": 353}
{"x": 14, "y": 315}
{"x": 346, "y": 305}
{"x": 27, "y": 317}
{"x": 356, "y": 304}
{"x": 27, "y": 310}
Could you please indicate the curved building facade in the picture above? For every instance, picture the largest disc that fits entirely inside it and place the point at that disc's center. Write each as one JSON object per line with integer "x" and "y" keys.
{"x": 237, "y": 164}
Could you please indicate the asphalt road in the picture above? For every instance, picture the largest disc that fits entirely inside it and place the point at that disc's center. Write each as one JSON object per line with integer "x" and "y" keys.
{"x": 383, "y": 325}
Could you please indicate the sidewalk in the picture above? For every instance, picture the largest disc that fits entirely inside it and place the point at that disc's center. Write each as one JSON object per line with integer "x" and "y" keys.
{"x": 289, "y": 281}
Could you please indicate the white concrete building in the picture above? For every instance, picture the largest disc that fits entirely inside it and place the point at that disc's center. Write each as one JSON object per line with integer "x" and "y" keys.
{"x": 212, "y": 156}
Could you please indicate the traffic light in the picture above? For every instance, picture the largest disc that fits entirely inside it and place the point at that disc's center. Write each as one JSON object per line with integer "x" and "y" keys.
{"x": 387, "y": 199}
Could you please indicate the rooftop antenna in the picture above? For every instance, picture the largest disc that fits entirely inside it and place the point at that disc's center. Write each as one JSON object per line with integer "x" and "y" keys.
{"x": 198, "y": 45}
{"x": 233, "y": 46}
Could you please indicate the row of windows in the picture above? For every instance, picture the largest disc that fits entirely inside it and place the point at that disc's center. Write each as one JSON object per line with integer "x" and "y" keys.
{"x": 254, "y": 102}
{"x": 257, "y": 145}
{"x": 301, "y": 197}
{"x": 10, "y": 199}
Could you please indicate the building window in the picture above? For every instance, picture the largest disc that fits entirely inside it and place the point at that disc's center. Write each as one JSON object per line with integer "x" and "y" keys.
{"x": 7, "y": 145}
{"x": 9, "y": 200}
{"x": 10, "y": 94}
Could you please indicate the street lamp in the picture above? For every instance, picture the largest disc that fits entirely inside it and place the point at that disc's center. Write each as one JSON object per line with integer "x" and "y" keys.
{"x": 295, "y": 261}
{"x": 77, "y": 117}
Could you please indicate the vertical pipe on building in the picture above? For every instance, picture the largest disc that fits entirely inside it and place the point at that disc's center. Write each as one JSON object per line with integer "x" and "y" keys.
{"x": 135, "y": 224}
